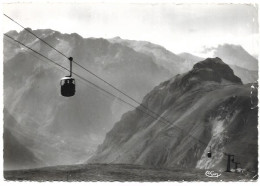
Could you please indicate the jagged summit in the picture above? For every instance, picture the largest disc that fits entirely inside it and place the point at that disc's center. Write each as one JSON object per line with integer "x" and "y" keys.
{"x": 211, "y": 69}
{"x": 236, "y": 55}
{"x": 208, "y": 70}
{"x": 214, "y": 69}
{"x": 210, "y": 63}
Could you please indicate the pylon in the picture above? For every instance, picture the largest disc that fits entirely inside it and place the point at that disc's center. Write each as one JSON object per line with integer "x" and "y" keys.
{"x": 228, "y": 161}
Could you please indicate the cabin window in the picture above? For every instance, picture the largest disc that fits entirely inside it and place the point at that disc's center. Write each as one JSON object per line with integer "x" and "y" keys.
{"x": 62, "y": 82}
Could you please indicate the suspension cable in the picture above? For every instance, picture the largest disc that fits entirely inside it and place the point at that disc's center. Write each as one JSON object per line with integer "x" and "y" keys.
{"x": 120, "y": 99}
{"x": 159, "y": 117}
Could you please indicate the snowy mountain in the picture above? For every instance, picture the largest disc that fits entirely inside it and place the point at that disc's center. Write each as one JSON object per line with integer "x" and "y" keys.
{"x": 207, "y": 106}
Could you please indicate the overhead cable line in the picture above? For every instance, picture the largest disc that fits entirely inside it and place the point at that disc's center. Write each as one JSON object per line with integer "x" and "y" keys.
{"x": 159, "y": 117}
{"x": 143, "y": 106}
{"x": 80, "y": 80}
{"x": 102, "y": 89}
{"x": 120, "y": 99}
{"x": 73, "y": 72}
{"x": 35, "y": 35}
{"x": 92, "y": 73}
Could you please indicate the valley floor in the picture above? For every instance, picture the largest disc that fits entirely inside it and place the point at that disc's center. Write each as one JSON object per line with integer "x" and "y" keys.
{"x": 118, "y": 172}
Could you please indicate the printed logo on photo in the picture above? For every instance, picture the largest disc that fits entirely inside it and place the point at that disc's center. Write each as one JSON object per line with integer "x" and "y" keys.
{"x": 212, "y": 174}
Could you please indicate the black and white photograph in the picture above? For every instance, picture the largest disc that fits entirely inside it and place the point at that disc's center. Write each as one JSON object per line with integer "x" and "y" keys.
{"x": 130, "y": 91}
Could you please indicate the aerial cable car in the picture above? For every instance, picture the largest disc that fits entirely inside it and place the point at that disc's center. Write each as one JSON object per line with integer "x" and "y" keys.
{"x": 209, "y": 153}
{"x": 68, "y": 83}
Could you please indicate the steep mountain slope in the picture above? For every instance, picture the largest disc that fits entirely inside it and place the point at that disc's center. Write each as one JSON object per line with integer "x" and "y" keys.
{"x": 207, "y": 106}
{"x": 16, "y": 155}
{"x": 67, "y": 130}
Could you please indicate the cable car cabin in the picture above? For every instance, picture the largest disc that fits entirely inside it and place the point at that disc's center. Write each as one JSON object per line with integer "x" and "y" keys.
{"x": 209, "y": 154}
{"x": 67, "y": 84}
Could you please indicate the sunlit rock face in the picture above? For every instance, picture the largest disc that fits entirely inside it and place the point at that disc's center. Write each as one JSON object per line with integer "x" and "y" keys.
{"x": 207, "y": 106}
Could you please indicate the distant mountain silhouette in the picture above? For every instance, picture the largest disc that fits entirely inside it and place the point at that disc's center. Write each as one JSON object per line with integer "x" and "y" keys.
{"x": 243, "y": 64}
{"x": 161, "y": 55}
{"x": 236, "y": 55}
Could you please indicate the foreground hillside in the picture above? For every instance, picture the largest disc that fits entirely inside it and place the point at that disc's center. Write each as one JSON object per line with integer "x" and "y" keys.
{"x": 122, "y": 172}
{"x": 207, "y": 106}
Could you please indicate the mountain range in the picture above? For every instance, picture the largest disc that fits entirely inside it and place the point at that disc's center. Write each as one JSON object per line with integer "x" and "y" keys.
{"x": 242, "y": 63}
{"x": 54, "y": 130}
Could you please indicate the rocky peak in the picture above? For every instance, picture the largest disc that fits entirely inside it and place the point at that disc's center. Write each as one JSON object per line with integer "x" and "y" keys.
{"x": 208, "y": 71}
{"x": 214, "y": 69}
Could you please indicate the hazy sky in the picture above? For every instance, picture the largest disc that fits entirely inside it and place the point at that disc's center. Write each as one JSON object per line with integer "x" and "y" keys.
{"x": 179, "y": 28}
